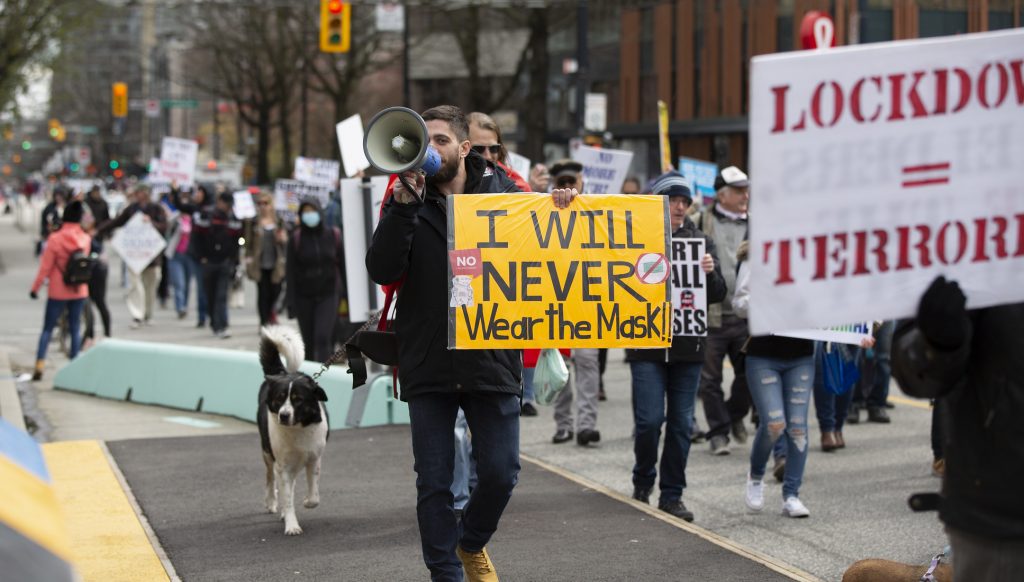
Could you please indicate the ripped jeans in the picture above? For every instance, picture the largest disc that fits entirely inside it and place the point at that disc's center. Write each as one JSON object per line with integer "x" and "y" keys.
{"x": 781, "y": 390}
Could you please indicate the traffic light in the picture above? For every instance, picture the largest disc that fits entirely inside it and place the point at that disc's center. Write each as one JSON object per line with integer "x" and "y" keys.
{"x": 114, "y": 165}
{"x": 26, "y": 145}
{"x": 57, "y": 131}
{"x": 75, "y": 167}
{"x": 335, "y": 25}
{"x": 119, "y": 99}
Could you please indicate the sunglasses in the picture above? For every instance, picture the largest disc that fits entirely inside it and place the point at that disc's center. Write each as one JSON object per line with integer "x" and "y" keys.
{"x": 494, "y": 149}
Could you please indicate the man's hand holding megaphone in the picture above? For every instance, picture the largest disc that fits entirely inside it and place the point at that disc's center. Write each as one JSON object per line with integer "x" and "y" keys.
{"x": 414, "y": 178}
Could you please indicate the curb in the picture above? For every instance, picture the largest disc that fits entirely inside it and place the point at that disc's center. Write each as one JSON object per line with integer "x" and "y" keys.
{"x": 10, "y": 402}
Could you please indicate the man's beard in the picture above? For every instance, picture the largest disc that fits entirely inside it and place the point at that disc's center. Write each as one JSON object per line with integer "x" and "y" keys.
{"x": 449, "y": 169}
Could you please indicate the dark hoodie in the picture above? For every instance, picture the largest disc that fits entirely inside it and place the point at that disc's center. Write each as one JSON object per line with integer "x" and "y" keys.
{"x": 316, "y": 260}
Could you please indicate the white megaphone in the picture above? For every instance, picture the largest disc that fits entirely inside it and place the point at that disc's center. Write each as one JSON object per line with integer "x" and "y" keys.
{"x": 397, "y": 141}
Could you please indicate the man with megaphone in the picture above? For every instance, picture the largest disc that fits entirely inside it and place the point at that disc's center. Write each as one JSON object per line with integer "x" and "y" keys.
{"x": 433, "y": 159}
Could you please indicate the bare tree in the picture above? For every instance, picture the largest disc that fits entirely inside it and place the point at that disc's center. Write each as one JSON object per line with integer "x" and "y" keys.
{"x": 337, "y": 76}
{"x": 29, "y": 33}
{"x": 249, "y": 60}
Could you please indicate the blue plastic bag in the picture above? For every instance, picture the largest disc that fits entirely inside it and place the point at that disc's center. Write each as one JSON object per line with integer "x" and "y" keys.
{"x": 839, "y": 367}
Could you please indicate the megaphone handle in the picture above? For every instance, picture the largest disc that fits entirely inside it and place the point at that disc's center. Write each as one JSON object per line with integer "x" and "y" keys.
{"x": 406, "y": 185}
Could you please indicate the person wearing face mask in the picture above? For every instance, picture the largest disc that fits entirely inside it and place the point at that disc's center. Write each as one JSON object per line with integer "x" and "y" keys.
{"x": 215, "y": 235}
{"x": 314, "y": 268}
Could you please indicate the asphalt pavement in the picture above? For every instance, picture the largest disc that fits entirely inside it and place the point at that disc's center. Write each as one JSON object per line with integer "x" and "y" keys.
{"x": 857, "y": 497}
{"x": 212, "y": 524}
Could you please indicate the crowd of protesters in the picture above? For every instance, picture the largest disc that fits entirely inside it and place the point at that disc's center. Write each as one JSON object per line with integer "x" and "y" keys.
{"x": 298, "y": 268}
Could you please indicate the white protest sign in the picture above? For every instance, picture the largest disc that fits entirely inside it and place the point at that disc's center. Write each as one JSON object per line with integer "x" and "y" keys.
{"x": 604, "y": 170}
{"x": 155, "y": 177}
{"x": 289, "y": 193}
{"x": 244, "y": 207}
{"x": 353, "y": 229}
{"x": 519, "y": 164}
{"x": 350, "y": 143}
{"x": 877, "y": 168}
{"x": 689, "y": 288}
{"x": 138, "y": 242}
{"x": 317, "y": 171}
{"x": 842, "y": 334}
{"x": 178, "y": 161}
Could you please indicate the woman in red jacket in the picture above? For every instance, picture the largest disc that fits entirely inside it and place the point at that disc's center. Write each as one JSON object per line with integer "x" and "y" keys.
{"x": 60, "y": 296}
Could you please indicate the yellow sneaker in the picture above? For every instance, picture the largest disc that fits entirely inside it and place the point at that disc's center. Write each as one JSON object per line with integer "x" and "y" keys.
{"x": 477, "y": 566}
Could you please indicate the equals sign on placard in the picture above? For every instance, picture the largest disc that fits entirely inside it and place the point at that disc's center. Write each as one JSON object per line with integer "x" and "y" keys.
{"x": 926, "y": 175}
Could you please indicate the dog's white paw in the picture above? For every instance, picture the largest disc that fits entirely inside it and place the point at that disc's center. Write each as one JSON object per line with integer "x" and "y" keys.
{"x": 271, "y": 507}
{"x": 310, "y": 503}
{"x": 293, "y": 531}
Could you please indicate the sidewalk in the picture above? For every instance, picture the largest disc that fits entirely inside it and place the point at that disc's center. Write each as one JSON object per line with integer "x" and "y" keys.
{"x": 857, "y": 497}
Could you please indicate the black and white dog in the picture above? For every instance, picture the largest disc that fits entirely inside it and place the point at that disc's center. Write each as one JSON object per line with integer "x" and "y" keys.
{"x": 293, "y": 424}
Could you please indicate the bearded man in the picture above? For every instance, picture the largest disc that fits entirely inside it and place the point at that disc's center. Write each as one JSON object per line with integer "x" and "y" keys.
{"x": 411, "y": 242}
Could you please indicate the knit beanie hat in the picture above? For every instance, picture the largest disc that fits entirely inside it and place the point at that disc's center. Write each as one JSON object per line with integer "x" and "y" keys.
{"x": 73, "y": 212}
{"x": 672, "y": 183}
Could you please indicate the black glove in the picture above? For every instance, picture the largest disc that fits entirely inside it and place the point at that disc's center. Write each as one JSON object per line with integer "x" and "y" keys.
{"x": 33, "y": 295}
{"x": 942, "y": 314}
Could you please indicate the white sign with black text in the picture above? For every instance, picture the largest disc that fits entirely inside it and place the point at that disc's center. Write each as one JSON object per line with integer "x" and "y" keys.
{"x": 604, "y": 170}
{"x": 137, "y": 242}
{"x": 689, "y": 288}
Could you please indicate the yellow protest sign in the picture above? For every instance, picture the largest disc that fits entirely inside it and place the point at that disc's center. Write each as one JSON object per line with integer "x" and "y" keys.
{"x": 524, "y": 274}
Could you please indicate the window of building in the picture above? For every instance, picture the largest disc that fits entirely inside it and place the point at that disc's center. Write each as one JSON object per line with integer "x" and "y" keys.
{"x": 941, "y": 17}
{"x": 1000, "y": 14}
{"x": 784, "y": 25}
{"x": 876, "y": 21}
{"x": 648, "y": 76}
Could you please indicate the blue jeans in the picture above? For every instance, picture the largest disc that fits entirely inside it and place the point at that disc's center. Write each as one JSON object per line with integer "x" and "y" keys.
{"x": 654, "y": 383}
{"x": 528, "y": 384}
{"x": 781, "y": 390}
{"x": 190, "y": 270}
{"x": 831, "y": 408}
{"x": 178, "y": 271}
{"x": 876, "y": 371}
{"x": 493, "y": 419}
{"x": 464, "y": 478}
{"x": 54, "y": 307}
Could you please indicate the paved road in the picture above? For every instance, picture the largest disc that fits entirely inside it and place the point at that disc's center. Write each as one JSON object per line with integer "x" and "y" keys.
{"x": 856, "y": 496}
{"x": 213, "y": 526}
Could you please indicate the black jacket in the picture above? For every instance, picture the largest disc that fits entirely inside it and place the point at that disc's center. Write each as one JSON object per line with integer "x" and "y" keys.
{"x": 315, "y": 263}
{"x": 981, "y": 387}
{"x": 687, "y": 348}
{"x": 411, "y": 241}
{"x": 100, "y": 210}
{"x": 215, "y": 237}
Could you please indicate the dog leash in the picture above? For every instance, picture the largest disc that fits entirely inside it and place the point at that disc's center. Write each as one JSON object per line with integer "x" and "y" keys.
{"x": 929, "y": 575}
{"x": 340, "y": 352}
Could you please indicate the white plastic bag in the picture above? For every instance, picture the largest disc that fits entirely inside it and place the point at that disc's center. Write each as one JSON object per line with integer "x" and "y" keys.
{"x": 550, "y": 376}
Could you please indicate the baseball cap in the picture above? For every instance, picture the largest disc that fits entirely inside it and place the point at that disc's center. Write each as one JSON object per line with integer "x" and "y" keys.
{"x": 731, "y": 176}
{"x": 566, "y": 167}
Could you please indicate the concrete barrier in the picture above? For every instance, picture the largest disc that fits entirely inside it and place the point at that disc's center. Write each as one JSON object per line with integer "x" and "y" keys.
{"x": 215, "y": 381}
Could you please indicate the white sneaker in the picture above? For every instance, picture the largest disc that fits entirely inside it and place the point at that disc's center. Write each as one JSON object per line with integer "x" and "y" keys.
{"x": 755, "y": 494}
{"x": 793, "y": 507}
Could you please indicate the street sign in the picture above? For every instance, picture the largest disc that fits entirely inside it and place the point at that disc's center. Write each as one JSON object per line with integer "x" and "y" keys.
{"x": 136, "y": 104}
{"x": 390, "y": 17}
{"x": 179, "y": 103}
{"x": 152, "y": 108}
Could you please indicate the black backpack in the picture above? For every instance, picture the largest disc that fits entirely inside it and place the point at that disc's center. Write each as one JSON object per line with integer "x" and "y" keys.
{"x": 79, "y": 268}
